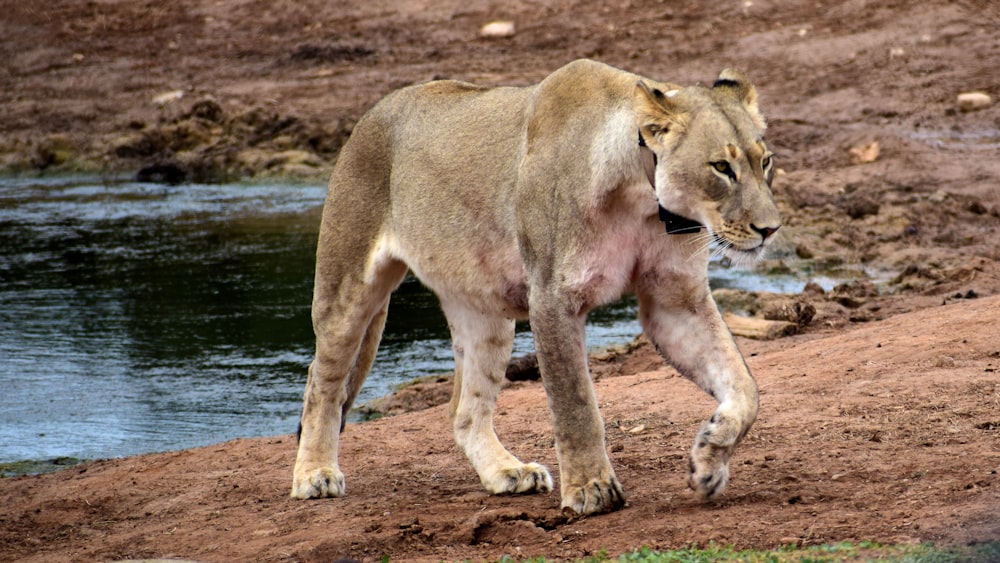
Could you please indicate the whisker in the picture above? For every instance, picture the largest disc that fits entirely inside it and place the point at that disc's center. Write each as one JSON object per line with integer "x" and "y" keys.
{"x": 719, "y": 251}
{"x": 702, "y": 242}
{"x": 705, "y": 248}
{"x": 700, "y": 238}
{"x": 723, "y": 248}
{"x": 686, "y": 230}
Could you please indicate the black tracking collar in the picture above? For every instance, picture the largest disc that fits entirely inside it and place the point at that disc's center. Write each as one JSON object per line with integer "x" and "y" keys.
{"x": 675, "y": 224}
{"x": 642, "y": 142}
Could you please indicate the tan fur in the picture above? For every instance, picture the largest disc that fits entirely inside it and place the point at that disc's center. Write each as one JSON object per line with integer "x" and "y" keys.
{"x": 534, "y": 203}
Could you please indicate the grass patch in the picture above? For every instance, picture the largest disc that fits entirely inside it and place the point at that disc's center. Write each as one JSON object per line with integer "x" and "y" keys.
{"x": 37, "y": 466}
{"x": 828, "y": 553}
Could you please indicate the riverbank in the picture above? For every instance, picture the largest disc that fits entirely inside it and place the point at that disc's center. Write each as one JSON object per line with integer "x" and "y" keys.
{"x": 885, "y": 431}
{"x": 879, "y": 416}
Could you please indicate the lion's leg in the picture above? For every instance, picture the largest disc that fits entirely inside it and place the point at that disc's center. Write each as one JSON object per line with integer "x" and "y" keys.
{"x": 369, "y": 347}
{"x": 482, "y": 346}
{"x": 348, "y": 317}
{"x": 694, "y": 339}
{"x": 587, "y": 481}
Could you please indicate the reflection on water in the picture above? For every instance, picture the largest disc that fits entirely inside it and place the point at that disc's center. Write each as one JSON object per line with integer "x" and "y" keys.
{"x": 137, "y": 317}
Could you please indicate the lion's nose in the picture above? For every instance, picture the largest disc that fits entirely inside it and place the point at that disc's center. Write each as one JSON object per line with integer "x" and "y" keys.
{"x": 765, "y": 232}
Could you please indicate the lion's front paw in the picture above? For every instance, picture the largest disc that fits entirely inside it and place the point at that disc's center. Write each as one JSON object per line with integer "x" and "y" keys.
{"x": 708, "y": 476}
{"x": 597, "y": 496}
{"x": 709, "y": 484}
{"x": 318, "y": 483}
{"x": 526, "y": 478}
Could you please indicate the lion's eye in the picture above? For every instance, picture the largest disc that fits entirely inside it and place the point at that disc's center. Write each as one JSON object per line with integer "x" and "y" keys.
{"x": 723, "y": 167}
{"x": 765, "y": 163}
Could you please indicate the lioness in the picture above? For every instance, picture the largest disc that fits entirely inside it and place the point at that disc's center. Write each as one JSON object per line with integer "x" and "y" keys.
{"x": 542, "y": 203}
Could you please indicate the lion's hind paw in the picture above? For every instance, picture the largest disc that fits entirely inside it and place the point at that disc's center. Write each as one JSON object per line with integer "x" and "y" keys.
{"x": 595, "y": 497}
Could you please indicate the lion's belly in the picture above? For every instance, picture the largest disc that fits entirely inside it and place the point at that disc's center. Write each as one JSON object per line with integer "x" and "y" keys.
{"x": 490, "y": 276}
{"x": 490, "y": 279}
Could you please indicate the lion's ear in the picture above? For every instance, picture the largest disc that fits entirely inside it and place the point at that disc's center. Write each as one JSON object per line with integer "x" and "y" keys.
{"x": 736, "y": 83}
{"x": 657, "y": 111}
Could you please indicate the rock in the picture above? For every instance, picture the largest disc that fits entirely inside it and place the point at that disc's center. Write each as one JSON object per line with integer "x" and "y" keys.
{"x": 854, "y": 294}
{"x": 736, "y": 300}
{"x": 523, "y": 368}
{"x": 799, "y": 312}
{"x": 863, "y": 154}
{"x": 759, "y": 329}
{"x": 803, "y": 251}
{"x": 977, "y": 207}
{"x": 813, "y": 288}
{"x": 185, "y": 135}
{"x": 167, "y": 97}
{"x": 497, "y": 29}
{"x": 209, "y": 110}
{"x": 162, "y": 173}
{"x": 972, "y": 101}
{"x": 266, "y": 163}
{"x": 296, "y": 157}
{"x": 938, "y": 197}
{"x": 54, "y": 150}
{"x": 859, "y": 205}
{"x": 139, "y": 145}
{"x": 944, "y": 361}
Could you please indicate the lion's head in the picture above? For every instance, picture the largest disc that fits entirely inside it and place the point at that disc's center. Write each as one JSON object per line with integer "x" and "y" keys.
{"x": 711, "y": 164}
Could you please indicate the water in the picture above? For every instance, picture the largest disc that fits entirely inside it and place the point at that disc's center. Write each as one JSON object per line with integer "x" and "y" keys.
{"x": 141, "y": 317}
{"x": 984, "y": 139}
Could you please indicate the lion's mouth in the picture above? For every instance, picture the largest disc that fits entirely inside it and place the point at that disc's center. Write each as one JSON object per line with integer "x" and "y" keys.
{"x": 743, "y": 257}
{"x": 737, "y": 254}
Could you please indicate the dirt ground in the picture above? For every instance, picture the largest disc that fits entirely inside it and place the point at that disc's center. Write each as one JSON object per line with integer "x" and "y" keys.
{"x": 880, "y": 417}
